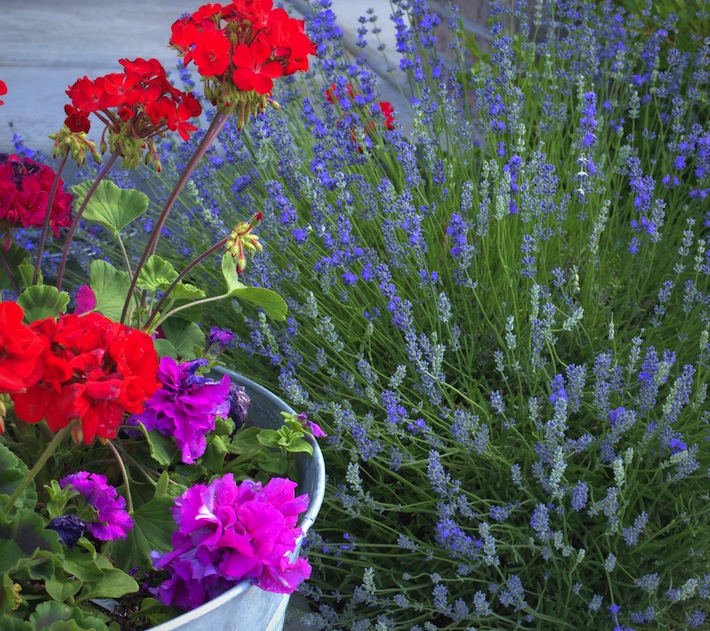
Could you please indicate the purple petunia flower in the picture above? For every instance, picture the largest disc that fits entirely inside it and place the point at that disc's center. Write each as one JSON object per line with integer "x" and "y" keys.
{"x": 113, "y": 520}
{"x": 314, "y": 427}
{"x": 185, "y": 406}
{"x": 229, "y": 532}
{"x": 219, "y": 339}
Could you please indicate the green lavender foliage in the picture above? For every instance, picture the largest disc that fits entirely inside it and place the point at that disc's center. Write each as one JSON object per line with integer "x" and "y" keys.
{"x": 500, "y": 315}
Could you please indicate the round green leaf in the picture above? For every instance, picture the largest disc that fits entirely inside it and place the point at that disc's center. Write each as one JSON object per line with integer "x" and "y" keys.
{"x": 266, "y": 299}
{"x": 109, "y": 205}
{"x": 110, "y": 286}
{"x": 157, "y": 274}
{"x": 14, "y": 257}
{"x": 43, "y": 301}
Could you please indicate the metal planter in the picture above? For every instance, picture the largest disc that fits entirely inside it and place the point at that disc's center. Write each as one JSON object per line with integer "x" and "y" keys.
{"x": 246, "y": 607}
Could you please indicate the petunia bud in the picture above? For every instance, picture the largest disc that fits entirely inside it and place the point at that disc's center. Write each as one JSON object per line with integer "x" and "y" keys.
{"x": 239, "y": 403}
{"x": 69, "y": 528}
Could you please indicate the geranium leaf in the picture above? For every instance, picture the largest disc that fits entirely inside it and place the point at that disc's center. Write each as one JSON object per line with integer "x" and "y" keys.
{"x": 162, "y": 449}
{"x": 184, "y": 336}
{"x": 266, "y": 299}
{"x": 15, "y": 256}
{"x": 185, "y": 291}
{"x": 15, "y": 624}
{"x": 12, "y": 472}
{"x": 109, "y": 205}
{"x": 110, "y": 286}
{"x": 164, "y": 348}
{"x": 157, "y": 274}
{"x": 43, "y": 301}
{"x": 25, "y": 544}
{"x": 154, "y": 526}
{"x": 26, "y": 272}
{"x": 55, "y": 616}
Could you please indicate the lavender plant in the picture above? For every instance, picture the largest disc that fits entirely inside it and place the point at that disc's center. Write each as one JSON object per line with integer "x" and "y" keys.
{"x": 500, "y": 316}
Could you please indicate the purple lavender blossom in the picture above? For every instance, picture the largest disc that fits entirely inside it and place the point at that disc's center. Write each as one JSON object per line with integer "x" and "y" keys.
{"x": 185, "y": 406}
{"x": 113, "y": 522}
{"x": 229, "y": 532}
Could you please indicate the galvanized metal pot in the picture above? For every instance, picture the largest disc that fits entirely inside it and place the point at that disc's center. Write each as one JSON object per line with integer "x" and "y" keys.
{"x": 246, "y": 607}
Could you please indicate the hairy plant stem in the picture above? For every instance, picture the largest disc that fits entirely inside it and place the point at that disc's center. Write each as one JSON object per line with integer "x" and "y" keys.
{"x": 45, "y": 225}
{"x": 65, "y": 252}
{"x": 124, "y": 474}
{"x": 217, "y": 246}
{"x": 8, "y": 271}
{"x": 41, "y": 461}
{"x": 215, "y": 127}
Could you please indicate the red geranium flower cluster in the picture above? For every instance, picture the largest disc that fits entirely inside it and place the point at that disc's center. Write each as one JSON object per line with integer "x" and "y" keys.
{"x": 24, "y": 192}
{"x": 243, "y": 45}
{"x": 76, "y": 367}
{"x": 3, "y": 91}
{"x": 138, "y": 103}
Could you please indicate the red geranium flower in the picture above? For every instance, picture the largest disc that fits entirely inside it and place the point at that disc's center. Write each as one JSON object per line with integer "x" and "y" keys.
{"x": 253, "y": 70}
{"x": 240, "y": 48}
{"x": 3, "y": 90}
{"x": 211, "y": 53}
{"x": 24, "y": 193}
{"x": 94, "y": 370}
{"x": 136, "y": 105}
{"x": 20, "y": 350}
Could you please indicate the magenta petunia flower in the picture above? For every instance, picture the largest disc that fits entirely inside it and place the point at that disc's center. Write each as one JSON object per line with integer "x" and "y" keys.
{"x": 113, "y": 520}
{"x": 229, "y": 532}
{"x": 314, "y": 427}
{"x": 85, "y": 300}
{"x": 185, "y": 406}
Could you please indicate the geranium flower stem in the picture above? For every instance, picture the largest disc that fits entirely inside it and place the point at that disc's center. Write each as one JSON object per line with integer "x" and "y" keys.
{"x": 41, "y": 461}
{"x": 8, "y": 271}
{"x": 124, "y": 473}
{"x": 65, "y": 252}
{"x": 45, "y": 225}
{"x": 217, "y": 246}
{"x": 215, "y": 127}
{"x": 135, "y": 463}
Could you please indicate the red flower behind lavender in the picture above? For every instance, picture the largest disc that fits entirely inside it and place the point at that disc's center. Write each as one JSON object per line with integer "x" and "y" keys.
{"x": 229, "y": 532}
{"x": 24, "y": 193}
{"x": 240, "y": 48}
{"x": 385, "y": 107}
{"x": 93, "y": 370}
